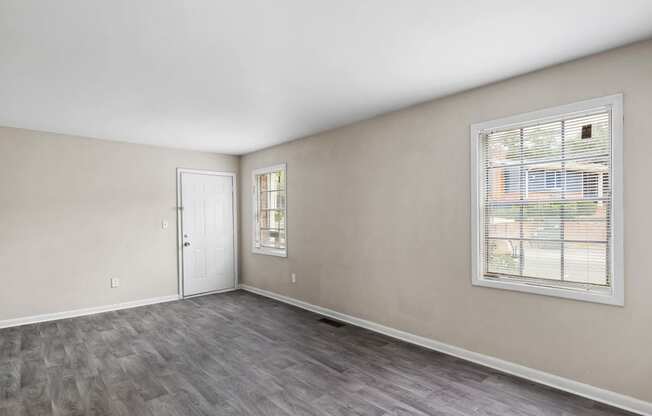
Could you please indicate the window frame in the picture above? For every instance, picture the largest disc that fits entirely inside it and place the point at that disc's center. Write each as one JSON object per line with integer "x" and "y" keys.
{"x": 269, "y": 251}
{"x": 616, "y": 294}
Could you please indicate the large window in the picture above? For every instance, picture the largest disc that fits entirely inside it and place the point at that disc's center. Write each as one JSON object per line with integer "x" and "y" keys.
{"x": 269, "y": 196}
{"x": 547, "y": 202}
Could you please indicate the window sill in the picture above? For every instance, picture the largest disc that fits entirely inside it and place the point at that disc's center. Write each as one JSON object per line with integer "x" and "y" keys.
{"x": 270, "y": 252}
{"x": 607, "y": 298}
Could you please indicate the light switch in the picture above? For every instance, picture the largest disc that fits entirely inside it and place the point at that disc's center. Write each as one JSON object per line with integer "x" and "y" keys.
{"x": 164, "y": 224}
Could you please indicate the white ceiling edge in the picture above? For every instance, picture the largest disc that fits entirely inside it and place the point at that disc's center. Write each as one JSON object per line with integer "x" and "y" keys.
{"x": 237, "y": 77}
{"x": 448, "y": 94}
{"x": 349, "y": 122}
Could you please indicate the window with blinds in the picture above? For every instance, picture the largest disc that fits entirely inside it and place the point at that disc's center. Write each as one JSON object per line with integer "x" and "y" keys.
{"x": 544, "y": 202}
{"x": 269, "y": 197}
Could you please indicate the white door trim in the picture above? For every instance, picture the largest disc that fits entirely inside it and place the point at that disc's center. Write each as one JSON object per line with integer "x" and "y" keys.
{"x": 180, "y": 225}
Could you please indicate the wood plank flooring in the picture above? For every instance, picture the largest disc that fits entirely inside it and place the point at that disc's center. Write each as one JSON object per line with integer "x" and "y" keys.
{"x": 242, "y": 354}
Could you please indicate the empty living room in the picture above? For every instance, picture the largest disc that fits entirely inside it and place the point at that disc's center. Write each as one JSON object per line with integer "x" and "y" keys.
{"x": 325, "y": 208}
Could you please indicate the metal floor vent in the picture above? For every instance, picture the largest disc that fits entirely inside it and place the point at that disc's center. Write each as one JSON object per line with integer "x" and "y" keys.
{"x": 331, "y": 322}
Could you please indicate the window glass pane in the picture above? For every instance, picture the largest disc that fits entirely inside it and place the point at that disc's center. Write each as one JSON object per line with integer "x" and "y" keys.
{"x": 585, "y": 263}
{"x": 594, "y": 142}
{"x": 512, "y": 180}
{"x": 503, "y": 147}
{"x": 542, "y": 259}
{"x": 573, "y": 182}
{"x": 570, "y": 179}
{"x": 582, "y": 220}
{"x": 590, "y": 185}
{"x": 552, "y": 179}
{"x": 546, "y": 195}
{"x": 272, "y": 199}
{"x": 606, "y": 186}
{"x": 586, "y": 221}
{"x": 503, "y": 221}
{"x": 528, "y": 220}
{"x": 536, "y": 180}
{"x": 271, "y": 219}
{"x": 263, "y": 182}
{"x": 503, "y": 257}
{"x": 272, "y": 238}
{"x": 503, "y": 183}
{"x": 271, "y": 181}
{"x": 542, "y": 142}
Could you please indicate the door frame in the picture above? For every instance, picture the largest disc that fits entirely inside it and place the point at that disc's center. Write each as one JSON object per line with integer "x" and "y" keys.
{"x": 179, "y": 210}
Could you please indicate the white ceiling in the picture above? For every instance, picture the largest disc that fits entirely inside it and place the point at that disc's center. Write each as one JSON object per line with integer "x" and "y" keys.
{"x": 236, "y": 76}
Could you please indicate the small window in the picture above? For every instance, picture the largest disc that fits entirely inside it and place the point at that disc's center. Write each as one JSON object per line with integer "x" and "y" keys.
{"x": 560, "y": 232}
{"x": 270, "y": 214}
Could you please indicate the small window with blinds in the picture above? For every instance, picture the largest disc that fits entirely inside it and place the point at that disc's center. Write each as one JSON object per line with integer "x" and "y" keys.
{"x": 547, "y": 202}
{"x": 269, "y": 211}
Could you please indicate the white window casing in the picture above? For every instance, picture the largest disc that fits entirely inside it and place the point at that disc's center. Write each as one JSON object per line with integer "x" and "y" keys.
{"x": 547, "y": 202}
{"x": 269, "y": 202}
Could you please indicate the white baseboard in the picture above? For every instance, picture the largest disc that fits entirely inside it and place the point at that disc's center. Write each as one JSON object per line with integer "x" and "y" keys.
{"x": 585, "y": 390}
{"x": 85, "y": 311}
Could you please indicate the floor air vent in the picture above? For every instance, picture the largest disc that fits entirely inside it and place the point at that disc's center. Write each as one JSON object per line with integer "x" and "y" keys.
{"x": 331, "y": 322}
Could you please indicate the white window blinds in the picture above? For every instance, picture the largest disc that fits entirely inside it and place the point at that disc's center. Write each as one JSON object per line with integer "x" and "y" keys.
{"x": 546, "y": 202}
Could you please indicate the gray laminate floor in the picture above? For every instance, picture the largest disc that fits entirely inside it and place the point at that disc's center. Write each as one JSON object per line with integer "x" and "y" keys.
{"x": 241, "y": 354}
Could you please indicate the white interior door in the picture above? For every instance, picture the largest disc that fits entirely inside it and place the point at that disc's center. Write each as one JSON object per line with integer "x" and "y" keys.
{"x": 207, "y": 232}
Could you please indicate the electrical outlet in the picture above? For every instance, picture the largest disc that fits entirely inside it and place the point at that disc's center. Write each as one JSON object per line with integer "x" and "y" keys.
{"x": 293, "y": 276}
{"x": 115, "y": 282}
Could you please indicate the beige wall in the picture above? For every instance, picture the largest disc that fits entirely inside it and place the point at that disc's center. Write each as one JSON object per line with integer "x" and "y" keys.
{"x": 75, "y": 211}
{"x": 379, "y": 228}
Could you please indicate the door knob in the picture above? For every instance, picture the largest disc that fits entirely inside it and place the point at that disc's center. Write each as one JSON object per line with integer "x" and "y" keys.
{"x": 186, "y": 244}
